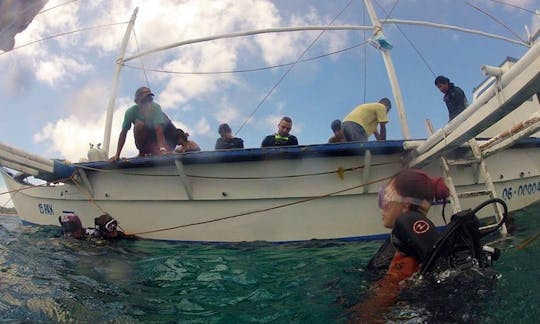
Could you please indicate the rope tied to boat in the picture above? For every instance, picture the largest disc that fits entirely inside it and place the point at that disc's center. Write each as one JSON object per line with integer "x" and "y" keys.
{"x": 264, "y": 209}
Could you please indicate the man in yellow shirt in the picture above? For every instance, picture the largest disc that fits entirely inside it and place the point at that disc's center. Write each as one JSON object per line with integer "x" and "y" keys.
{"x": 360, "y": 123}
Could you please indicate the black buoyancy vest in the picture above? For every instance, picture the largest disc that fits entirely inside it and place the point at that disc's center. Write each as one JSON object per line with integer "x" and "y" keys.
{"x": 415, "y": 235}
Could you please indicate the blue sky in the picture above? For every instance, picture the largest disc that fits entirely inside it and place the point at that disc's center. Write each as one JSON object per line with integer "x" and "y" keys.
{"x": 55, "y": 92}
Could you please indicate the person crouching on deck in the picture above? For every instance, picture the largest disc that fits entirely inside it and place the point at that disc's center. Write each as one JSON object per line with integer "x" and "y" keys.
{"x": 404, "y": 202}
{"x": 153, "y": 131}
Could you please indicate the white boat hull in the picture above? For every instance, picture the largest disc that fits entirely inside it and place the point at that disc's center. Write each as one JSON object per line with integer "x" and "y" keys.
{"x": 276, "y": 198}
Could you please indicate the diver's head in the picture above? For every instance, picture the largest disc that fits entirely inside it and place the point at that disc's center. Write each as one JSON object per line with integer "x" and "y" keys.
{"x": 106, "y": 226}
{"x": 72, "y": 226}
{"x": 410, "y": 189}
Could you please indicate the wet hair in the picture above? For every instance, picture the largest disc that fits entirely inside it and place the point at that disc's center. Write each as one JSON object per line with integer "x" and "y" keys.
{"x": 418, "y": 184}
{"x": 287, "y": 119}
{"x": 70, "y": 224}
{"x": 441, "y": 79}
{"x": 181, "y": 134}
{"x": 224, "y": 129}
{"x": 336, "y": 125}
{"x": 385, "y": 101}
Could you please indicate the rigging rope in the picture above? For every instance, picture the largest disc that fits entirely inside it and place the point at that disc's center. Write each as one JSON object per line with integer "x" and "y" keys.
{"x": 238, "y": 178}
{"x": 497, "y": 20}
{"x": 54, "y": 7}
{"x": 63, "y": 34}
{"x": 289, "y": 70}
{"x": 252, "y": 69}
{"x": 365, "y": 53}
{"x": 140, "y": 58}
{"x": 84, "y": 191}
{"x": 514, "y": 6}
{"x": 411, "y": 43}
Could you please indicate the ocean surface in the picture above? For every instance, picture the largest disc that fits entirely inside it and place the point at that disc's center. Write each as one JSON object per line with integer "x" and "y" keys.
{"x": 48, "y": 278}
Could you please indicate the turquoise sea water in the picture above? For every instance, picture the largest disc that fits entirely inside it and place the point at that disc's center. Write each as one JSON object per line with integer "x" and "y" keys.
{"x": 47, "y": 278}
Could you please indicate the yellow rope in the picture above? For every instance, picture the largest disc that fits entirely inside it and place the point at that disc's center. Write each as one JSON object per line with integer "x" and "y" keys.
{"x": 263, "y": 209}
{"x": 339, "y": 170}
{"x": 92, "y": 200}
{"x": 527, "y": 242}
{"x": 33, "y": 186}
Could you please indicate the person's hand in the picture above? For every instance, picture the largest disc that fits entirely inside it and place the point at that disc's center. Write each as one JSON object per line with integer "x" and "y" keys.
{"x": 114, "y": 158}
{"x": 163, "y": 150}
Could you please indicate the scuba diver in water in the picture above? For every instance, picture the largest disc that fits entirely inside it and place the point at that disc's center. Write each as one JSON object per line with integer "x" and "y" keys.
{"x": 106, "y": 227}
{"x": 415, "y": 247}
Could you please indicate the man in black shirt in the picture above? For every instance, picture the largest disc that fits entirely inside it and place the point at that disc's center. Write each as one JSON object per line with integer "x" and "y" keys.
{"x": 454, "y": 97}
{"x": 227, "y": 141}
{"x": 282, "y": 137}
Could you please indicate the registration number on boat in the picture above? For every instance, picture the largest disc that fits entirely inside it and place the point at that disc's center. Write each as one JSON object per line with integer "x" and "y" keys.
{"x": 522, "y": 190}
{"x": 46, "y": 209}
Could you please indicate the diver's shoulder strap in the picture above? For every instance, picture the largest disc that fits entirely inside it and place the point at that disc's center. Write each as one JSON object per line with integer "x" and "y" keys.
{"x": 414, "y": 234}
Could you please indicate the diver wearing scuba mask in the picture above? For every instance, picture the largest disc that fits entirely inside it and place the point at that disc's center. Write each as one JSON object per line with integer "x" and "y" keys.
{"x": 415, "y": 246}
{"x": 404, "y": 202}
{"x": 106, "y": 227}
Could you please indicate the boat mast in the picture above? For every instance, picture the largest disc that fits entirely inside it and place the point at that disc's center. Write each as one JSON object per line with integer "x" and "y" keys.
{"x": 390, "y": 70}
{"x": 112, "y": 99}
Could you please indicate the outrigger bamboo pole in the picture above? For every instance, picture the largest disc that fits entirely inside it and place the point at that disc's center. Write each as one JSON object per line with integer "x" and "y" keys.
{"x": 247, "y": 33}
{"x": 396, "y": 90}
{"x": 451, "y": 27}
{"x": 112, "y": 99}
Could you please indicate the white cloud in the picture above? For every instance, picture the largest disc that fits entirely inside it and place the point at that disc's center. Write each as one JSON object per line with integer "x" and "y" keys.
{"x": 70, "y": 136}
{"x": 227, "y": 113}
{"x": 203, "y": 127}
{"x": 59, "y": 69}
{"x": 270, "y": 122}
{"x": 158, "y": 23}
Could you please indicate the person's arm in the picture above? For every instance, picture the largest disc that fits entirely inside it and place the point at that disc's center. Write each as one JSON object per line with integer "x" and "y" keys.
{"x": 384, "y": 294}
{"x": 382, "y": 132}
{"x": 385, "y": 291}
{"x": 460, "y": 99}
{"x": 293, "y": 140}
{"x": 376, "y": 134}
{"x": 120, "y": 146}
{"x": 163, "y": 146}
{"x": 160, "y": 121}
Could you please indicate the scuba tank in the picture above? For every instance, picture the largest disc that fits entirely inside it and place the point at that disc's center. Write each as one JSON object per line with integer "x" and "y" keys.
{"x": 459, "y": 246}
{"x": 96, "y": 153}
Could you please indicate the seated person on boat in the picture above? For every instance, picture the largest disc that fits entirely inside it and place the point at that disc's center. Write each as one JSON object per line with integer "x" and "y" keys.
{"x": 415, "y": 248}
{"x": 363, "y": 120}
{"x": 338, "y": 132}
{"x": 153, "y": 131}
{"x": 227, "y": 141}
{"x": 282, "y": 137}
{"x": 185, "y": 145}
{"x": 106, "y": 227}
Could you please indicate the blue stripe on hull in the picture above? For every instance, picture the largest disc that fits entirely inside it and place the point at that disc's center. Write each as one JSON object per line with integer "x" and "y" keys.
{"x": 375, "y": 237}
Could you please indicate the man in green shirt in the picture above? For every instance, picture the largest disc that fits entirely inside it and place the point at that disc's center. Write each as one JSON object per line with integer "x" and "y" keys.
{"x": 153, "y": 131}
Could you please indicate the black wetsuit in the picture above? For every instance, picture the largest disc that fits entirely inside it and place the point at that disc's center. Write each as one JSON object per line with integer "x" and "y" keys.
{"x": 227, "y": 144}
{"x": 277, "y": 140}
{"x": 455, "y": 100}
{"x": 413, "y": 234}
